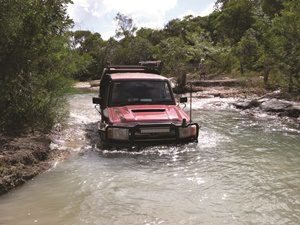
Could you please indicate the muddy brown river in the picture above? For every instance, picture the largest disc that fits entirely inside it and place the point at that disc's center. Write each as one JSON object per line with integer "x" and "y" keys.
{"x": 244, "y": 170}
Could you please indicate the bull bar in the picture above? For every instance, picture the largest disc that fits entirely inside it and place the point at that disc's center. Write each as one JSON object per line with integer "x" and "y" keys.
{"x": 135, "y": 137}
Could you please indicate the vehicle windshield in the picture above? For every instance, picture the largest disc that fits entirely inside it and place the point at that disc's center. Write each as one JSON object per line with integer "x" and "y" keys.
{"x": 140, "y": 92}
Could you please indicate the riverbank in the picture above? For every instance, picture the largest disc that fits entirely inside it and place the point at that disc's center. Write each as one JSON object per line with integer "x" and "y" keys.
{"x": 251, "y": 99}
{"x": 24, "y": 157}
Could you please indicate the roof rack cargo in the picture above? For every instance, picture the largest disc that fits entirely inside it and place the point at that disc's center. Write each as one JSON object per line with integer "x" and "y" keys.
{"x": 154, "y": 67}
{"x": 156, "y": 64}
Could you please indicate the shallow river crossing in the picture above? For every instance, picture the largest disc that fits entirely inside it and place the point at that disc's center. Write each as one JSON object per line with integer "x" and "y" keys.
{"x": 244, "y": 170}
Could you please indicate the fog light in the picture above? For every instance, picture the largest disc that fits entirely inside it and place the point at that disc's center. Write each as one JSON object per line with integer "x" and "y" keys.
{"x": 189, "y": 131}
{"x": 118, "y": 133}
{"x": 193, "y": 130}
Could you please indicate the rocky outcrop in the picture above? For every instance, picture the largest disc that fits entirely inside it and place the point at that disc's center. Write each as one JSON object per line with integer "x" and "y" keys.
{"x": 212, "y": 83}
{"x": 246, "y": 104}
{"x": 292, "y": 111}
{"x": 275, "y": 105}
{"x": 283, "y": 108}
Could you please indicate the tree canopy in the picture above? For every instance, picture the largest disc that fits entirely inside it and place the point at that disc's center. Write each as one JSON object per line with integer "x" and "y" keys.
{"x": 36, "y": 62}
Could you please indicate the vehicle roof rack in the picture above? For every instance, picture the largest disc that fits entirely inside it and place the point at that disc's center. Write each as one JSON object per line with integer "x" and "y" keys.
{"x": 155, "y": 64}
{"x": 154, "y": 67}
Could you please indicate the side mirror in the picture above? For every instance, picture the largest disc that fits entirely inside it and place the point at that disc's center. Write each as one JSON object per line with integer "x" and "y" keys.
{"x": 183, "y": 100}
{"x": 97, "y": 100}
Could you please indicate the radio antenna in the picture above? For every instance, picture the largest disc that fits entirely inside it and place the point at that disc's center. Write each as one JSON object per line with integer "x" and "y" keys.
{"x": 191, "y": 96}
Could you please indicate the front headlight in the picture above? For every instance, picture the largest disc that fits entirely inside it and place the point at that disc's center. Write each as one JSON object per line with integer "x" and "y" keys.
{"x": 118, "y": 133}
{"x": 190, "y": 131}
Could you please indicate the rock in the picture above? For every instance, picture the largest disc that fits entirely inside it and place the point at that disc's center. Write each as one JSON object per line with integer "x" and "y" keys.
{"x": 242, "y": 104}
{"x": 293, "y": 111}
{"x": 275, "y": 105}
{"x": 82, "y": 85}
{"x": 94, "y": 83}
{"x": 212, "y": 83}
{"x": 246, "y": 104}
{"x": 262, "y": 100}
{"x": 255, "y": 103}
{"x": 204, "y": 96}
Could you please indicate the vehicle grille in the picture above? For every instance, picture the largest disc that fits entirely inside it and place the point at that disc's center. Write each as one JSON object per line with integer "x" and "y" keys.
{"x": 166, "y": 133}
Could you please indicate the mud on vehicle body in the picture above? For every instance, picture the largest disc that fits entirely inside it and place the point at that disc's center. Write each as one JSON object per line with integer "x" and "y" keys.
{"x": 137, "y": 106}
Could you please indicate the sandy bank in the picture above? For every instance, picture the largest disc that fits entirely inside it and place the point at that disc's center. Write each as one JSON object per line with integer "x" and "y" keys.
{"x": 23, "y": 157}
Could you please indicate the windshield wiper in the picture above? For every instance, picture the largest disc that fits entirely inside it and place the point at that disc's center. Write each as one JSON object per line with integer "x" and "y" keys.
{"x": 139, "y": 102}
{"x": 163, "y": 101}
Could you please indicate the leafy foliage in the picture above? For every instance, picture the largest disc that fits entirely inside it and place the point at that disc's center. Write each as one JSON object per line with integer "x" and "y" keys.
{"x": 286, "y": 40}
{"x": 36, "y": 63}
{"x": 236, "y": 18}
{"x": 125, "y": 25}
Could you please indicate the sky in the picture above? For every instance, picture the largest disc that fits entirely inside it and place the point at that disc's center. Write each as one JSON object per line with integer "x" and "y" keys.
{"x": 98, "y": 15}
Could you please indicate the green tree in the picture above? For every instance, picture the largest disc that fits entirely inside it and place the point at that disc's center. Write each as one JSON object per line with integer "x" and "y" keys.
{"x": 286, "y": 31}
{"x": 92, "y": 48}
{"x": 176, "y": 56}
{"x": 234, "y": 20}
{"x": 153, "y": 36}
{"x": 139, "y": 49}
{"x": 36, "y": 60}
{"x": 125, "y": 27}
{"x": 248, "y": 50}
{"x": 271, "y": 7}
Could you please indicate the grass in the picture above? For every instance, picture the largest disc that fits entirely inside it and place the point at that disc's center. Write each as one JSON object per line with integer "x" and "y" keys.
{"x": 2, "y": 168}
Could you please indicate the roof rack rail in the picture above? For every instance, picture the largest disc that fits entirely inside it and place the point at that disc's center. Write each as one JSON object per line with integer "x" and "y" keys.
{"x": 154, "y": 67}
{"x": 156, "y": 64}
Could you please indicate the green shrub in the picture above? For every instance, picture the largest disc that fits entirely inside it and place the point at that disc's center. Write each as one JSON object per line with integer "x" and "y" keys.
{"x": 36, "y": 63}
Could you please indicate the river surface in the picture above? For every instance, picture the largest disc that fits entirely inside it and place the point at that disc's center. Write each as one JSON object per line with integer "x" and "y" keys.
{"x": 244, "y": 170}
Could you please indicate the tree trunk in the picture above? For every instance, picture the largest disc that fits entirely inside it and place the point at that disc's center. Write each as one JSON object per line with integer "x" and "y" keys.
{"x": 266, "y": 76}
{"x": 290, "y": 88}
{"x": 241, "y": 69}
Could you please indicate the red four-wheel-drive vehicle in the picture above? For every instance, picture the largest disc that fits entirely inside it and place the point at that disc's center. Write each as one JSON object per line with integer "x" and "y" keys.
{"x": 137, "y": 105}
